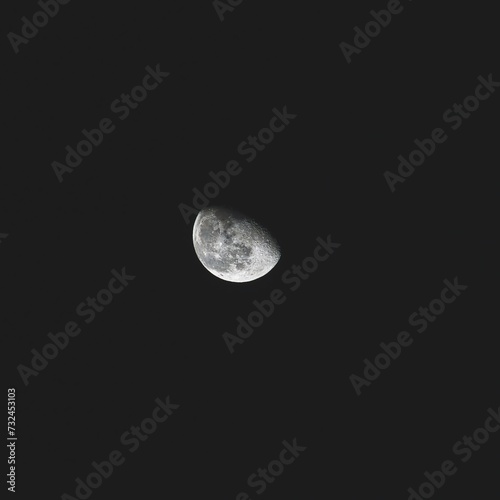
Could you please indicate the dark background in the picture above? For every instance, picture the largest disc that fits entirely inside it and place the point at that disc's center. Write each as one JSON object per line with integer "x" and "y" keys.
{"x": 323, "y": 175}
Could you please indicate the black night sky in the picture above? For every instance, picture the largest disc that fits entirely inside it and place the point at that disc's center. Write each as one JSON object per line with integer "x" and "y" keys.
{"x": 173, "y": 91}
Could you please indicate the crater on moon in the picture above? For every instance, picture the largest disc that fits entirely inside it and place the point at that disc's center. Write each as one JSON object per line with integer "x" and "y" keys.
{"x": 233, "y": 247}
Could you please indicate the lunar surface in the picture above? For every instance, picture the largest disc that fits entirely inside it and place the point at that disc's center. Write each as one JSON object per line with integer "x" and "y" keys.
{"x": 232, "y": 246}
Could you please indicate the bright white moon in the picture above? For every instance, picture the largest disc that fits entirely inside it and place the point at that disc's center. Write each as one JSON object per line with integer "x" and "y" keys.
{"x": 233, "y": 247}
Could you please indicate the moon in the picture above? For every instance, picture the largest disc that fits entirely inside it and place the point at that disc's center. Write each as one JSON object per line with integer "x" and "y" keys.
{"x": 233, "y": 247}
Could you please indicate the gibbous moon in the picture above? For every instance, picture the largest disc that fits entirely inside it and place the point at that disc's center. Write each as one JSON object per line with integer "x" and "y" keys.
{"x": 233, "y": 247}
